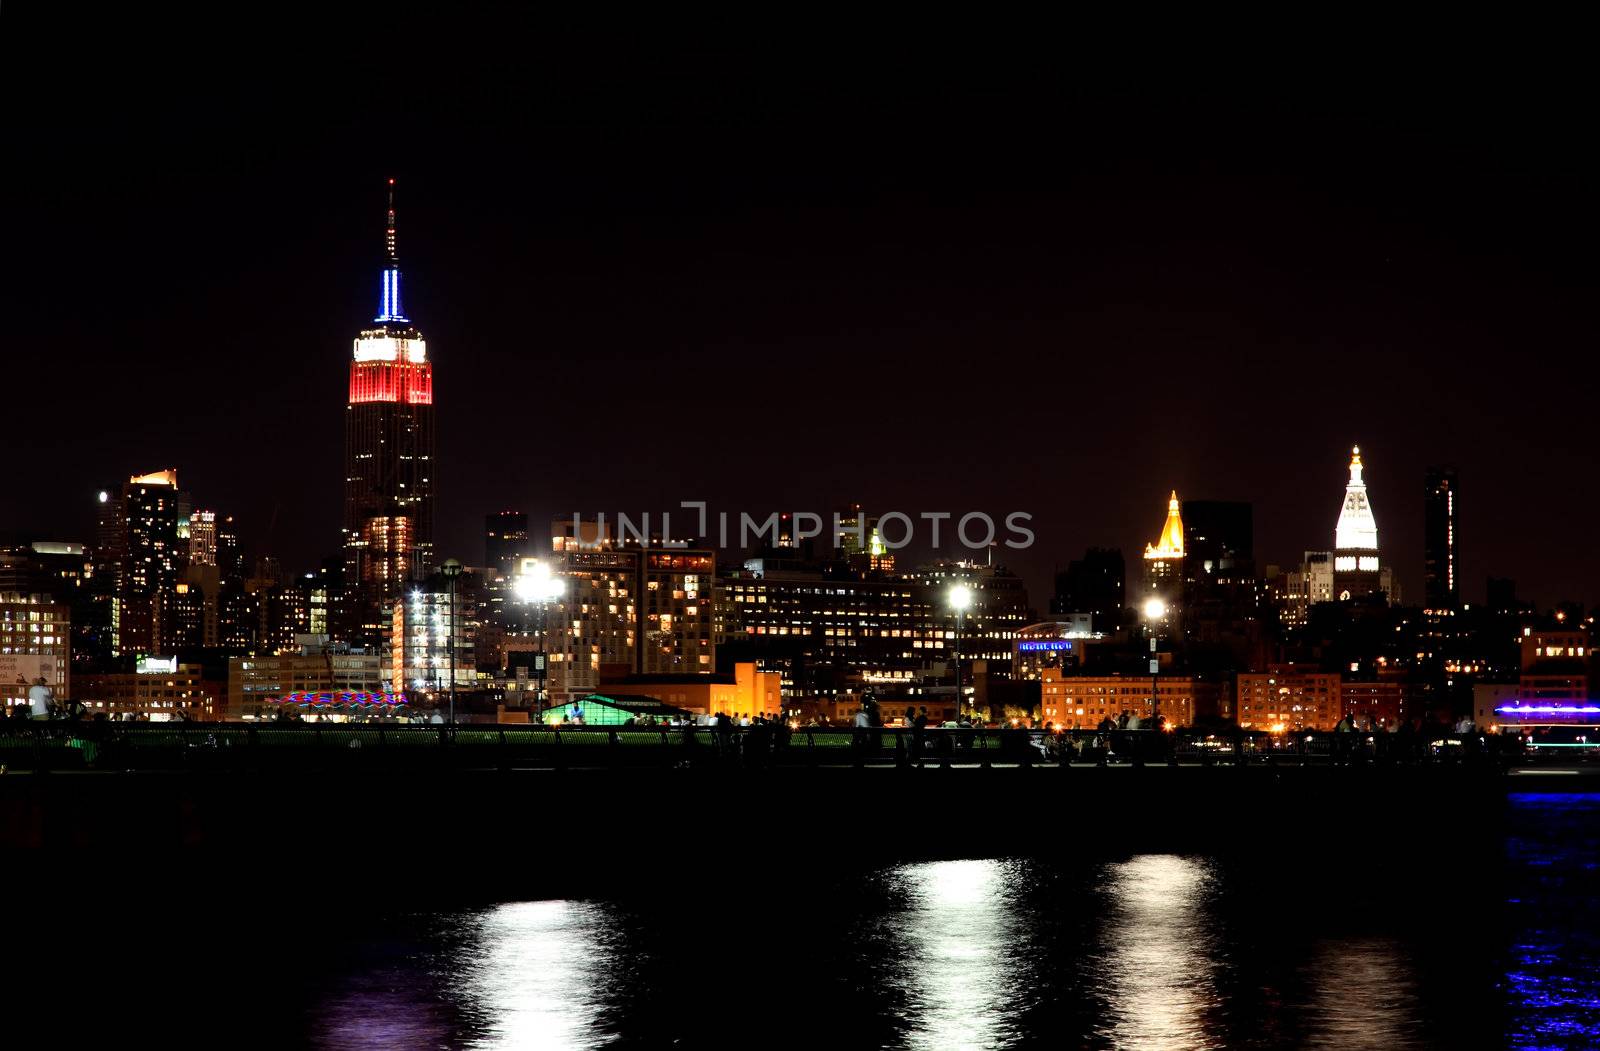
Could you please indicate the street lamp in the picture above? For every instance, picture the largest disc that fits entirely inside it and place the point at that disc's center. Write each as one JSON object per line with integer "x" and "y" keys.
{"x": 451, "y": 570}
{"x": 960, "y": 599}
{"x": 1155, "y": 611}
{"x": 538, "y": 584}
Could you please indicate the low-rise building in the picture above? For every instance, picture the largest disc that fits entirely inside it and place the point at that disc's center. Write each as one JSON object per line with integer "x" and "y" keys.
{"x": 747, "y": 692}
{"x": 1487, "y": 700}
{"x": 1287, "y": 698}
{"x": 255, "y": 683}
{"x": 1384, "y": 702}
{"x": 1082, "y": 701}
{"x": 159, "y": 689}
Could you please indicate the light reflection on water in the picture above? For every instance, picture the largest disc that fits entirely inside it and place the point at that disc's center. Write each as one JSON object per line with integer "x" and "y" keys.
{"x": 1150, "y": 952}
{"x": 952, "y": 986}
{"x": 1156, "y": 960}
{"x": 538, "y": 976}
{"x": 1363, "y": 995}
{"x": 524, "y": 975}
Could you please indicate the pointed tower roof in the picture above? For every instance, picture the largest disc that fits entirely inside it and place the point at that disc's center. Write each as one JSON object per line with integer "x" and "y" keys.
{"x": 1171, "y": 543}
{"x": 389, "y": 308}
{"x": 1357, "y": 529}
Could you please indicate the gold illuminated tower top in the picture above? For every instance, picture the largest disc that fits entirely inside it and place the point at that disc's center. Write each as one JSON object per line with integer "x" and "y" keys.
{"x": 1171, "y": 543}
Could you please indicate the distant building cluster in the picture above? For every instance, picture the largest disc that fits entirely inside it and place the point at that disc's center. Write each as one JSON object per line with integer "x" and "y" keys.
{"x": 162, "y": 614}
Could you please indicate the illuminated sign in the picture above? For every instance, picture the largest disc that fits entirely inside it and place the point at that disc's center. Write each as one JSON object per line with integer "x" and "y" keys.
{"x": 1050, "y": 647}
{"x": 156, "y": 665}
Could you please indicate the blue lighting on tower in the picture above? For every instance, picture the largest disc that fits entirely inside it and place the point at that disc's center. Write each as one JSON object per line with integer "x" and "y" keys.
{"x": 390, "y": 307}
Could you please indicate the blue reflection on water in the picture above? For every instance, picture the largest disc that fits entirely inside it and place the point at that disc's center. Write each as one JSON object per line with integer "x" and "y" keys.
{"x": 1553, "y": 980}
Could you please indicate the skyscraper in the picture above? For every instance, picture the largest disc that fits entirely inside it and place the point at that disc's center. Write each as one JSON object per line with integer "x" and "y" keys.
{"x": 1218, "y": 536}
{"x": 1093, "y": 584}
{"x": 505, "y": 545}
{"x": 1355, "y": 539}
{"x": 505, "y": 541}
{"x": 389, "y": 451}
{"x": 1441, "y": 570}
{"x": 155, "y": 548}
{"x": 1163, "y": 560}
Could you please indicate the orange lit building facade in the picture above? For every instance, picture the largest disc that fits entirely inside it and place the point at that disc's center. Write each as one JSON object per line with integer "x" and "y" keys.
{"x": 747, "y": 692}
{"x": 1082, "y": 701}
{"x": 1287, "y": 698}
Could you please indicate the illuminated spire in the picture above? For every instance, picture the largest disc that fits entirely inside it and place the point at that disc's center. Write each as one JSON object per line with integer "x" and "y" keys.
{"x": 394, "y": 260}
{"x": 1357, "y": 529}
{"x": 1171, "y": 543}
{"x": 389, "y": 308}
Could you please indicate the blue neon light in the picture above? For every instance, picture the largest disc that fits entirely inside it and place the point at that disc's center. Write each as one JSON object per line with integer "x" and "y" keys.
{"x": 1028, "y": 647}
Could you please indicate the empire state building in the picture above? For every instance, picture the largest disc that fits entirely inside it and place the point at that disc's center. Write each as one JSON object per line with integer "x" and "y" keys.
{"x": 388, "y": 459}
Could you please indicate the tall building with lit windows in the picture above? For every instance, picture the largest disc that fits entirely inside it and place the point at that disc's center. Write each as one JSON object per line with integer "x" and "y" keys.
{"x": 1356, "y": 567}
{"x": 154, "y": 549}
{"x": 389, "y": 460}
{"x": 627, "y": 608}
{"x": 1441, "y": 570}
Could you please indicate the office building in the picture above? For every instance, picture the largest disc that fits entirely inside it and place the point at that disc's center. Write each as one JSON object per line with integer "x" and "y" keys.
{"x": 256, "y": 684}
{"x": 1083, "y": 701}
{"x": 389, "y": 460}
{"x": 505, "y": 545}
{"x": 151, "y": 554}
{"x": 35, "y": 643}
{"x": 160, "y": 689}
{"x": 1441, "y": 587}
{"x": 1358, "y": 570}
{"x": 1094, "y": 585}
{"x": 1286, "y": 697}
{"x": 1163, "y": 559}
{"x": 433, "y": 633}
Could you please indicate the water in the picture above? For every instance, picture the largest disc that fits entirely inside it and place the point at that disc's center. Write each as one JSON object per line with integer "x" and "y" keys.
{"x": 1440, "y": 949}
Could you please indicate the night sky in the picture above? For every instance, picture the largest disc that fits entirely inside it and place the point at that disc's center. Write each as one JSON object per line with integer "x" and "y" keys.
{"x": 1006, "y": 270}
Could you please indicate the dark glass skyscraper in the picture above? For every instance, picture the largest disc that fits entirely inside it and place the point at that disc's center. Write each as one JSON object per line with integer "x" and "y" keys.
{"x": 1094, "y": 584}
{"x": 389, "y": 452}
{"x": 505, "y": 541}
{"x": 1218, "y": 536}
{"x": 1441, "y": 582}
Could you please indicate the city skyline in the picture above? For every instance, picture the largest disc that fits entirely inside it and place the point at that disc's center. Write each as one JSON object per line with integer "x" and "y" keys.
{"x": 1079, "y": 537}
{"x": 856, "y": 321}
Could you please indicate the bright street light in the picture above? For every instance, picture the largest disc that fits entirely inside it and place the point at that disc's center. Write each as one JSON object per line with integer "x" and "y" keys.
{"x": 1155, "y": 608}
{"x": 537, "y": 584}
{"x": 960, "y": 597}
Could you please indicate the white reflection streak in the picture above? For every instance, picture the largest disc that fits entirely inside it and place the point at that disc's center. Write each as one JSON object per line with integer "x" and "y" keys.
{"x": 1159, "y": 973}
{"x": 539, "y": 974}
{"x": 955, "y": 938}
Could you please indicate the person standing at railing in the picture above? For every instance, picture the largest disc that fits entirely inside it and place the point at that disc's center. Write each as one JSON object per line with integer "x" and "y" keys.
{"x": 1343, "y": 739}
{"x": 41, "y": 699}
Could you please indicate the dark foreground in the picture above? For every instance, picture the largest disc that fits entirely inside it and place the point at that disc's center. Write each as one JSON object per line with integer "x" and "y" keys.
{"x": 1182, "y": 908}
